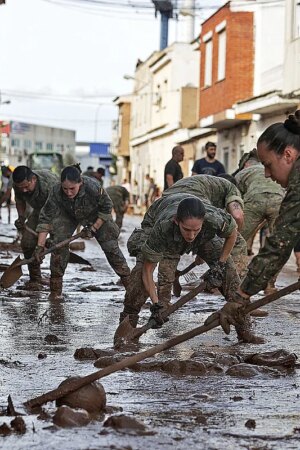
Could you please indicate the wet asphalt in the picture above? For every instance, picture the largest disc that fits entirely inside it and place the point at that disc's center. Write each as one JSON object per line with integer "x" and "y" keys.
{"x": 206, "y": 411}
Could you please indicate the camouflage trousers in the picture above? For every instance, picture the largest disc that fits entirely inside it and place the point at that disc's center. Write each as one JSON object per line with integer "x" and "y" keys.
{"x": 29, "y": 242}
{"x": 239, "y": 255}
{"x": 265, "y": 208}
{"x": 107, "y": 238}
{"x": 136, "y": 294}
{"x": 119, "y": 211}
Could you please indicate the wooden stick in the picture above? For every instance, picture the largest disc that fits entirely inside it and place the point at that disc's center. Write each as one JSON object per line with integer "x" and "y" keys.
{"x": 131, "y": 360}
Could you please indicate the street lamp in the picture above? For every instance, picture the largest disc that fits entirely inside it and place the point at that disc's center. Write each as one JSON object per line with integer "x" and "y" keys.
{"x": 142, "y": 83}
{"x": 128, "y": 77}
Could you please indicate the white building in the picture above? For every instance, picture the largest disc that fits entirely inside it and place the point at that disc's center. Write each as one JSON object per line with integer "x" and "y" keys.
{"x": 164, "y": 100}
{"x": 19, "y": 140}
{"x": 276, "y": 71}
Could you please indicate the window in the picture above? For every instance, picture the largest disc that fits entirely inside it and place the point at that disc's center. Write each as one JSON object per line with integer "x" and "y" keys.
{"x": 27, "y": 143}
{"x": 49, "y": 146}
{"x": 296, "y": 19}
{"x": 38, "y": 145}
{"x": 15, "y": 142}
{"x": 222, "y": 55}
{"x": 208, "y": 64}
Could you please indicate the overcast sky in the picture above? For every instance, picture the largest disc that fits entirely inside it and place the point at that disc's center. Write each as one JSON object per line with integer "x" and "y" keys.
{"x": 69, "y": 58}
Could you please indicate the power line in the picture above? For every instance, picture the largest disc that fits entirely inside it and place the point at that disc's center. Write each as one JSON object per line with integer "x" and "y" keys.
{"x": 111, "y": 7}
{"x": 56, "y": 119}
{"x": 60, "y": 98}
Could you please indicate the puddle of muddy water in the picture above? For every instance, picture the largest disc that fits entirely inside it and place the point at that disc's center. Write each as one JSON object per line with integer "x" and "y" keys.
{"x": 202, "y": 412}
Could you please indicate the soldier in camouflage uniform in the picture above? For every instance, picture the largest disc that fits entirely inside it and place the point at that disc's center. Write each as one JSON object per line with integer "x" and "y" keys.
{"x": 98, "y": 175}
{"x": 120, "y": 199}
{"x": 262, "y": 199}
{"x": 77, "y": 201}
{"x": 31, "y": 188}
{"x": 222, "y": 194}
{"x": 6, "y": 183}
{"x": 279, "y": 151}
{"x": 262, "y": 196}
{"x": 164, "y": 237}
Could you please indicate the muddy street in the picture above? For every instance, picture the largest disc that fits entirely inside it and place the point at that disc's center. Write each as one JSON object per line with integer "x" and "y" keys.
{"x": 206, "y": 393}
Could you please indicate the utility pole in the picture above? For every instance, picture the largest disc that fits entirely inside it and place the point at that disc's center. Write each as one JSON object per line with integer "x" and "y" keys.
{"x": 165, "y": 8}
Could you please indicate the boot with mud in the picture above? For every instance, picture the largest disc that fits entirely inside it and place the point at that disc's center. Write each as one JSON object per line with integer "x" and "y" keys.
{"x": 56, "y": 289}
{"x": 133, "y": 318}
{"x": 35, "y": 278}
{"x": 271, "y": 288}
{"x": 245, "y": 334}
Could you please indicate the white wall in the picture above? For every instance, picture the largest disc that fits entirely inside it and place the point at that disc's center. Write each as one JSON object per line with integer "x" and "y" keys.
{"x": 292, "y": 51}
{"x": 268, "y": 42}
{"x": 242, "y": 139}
{"x": 154, "y": 123}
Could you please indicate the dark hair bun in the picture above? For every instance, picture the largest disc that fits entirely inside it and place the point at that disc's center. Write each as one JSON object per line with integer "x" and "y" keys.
{"x": 77, "y": 166}
{"x": 292, "y": 124}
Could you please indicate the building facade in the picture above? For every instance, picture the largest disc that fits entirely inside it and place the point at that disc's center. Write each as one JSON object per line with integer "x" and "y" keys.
{"x": 248, "y": 72}
{"x": 21, "y": 140}
{"x": 164, "y": 101}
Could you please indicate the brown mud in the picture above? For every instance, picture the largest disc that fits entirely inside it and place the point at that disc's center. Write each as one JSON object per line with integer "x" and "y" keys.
{"x": 179, "y": 409}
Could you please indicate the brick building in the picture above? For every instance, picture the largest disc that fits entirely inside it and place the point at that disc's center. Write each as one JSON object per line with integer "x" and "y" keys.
{"x": 242, "y": 63}
{"x": 227, "y": 53}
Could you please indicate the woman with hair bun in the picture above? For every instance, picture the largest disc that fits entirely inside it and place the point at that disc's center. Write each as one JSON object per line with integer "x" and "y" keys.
{"x": 78, "y": 200}
{"x": 279, "y": 152}
{"x": 174, "y": 225}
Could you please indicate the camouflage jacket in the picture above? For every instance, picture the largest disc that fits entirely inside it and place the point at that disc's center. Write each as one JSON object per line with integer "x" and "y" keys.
{"x": 252, "y": 182}
{"x": 92, "y": 174}
{"x": 36, "y": 199}
{"x": 91, "y": 202}
{"x": 217, "y": 191}
{"x": 278, "y": 247}
{"x": 118, "y": 194}
{"x": 162, "y": 237}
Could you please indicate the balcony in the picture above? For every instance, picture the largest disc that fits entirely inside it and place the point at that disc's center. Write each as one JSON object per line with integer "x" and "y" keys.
{"x": 225, "y": 119}
{"x": 269, "y": 103}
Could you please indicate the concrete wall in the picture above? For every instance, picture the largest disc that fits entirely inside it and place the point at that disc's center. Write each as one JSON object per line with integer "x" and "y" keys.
{"x": 292, "y": 51}
{"x": 157, "y": 108}
{"x": 241, "y": 139}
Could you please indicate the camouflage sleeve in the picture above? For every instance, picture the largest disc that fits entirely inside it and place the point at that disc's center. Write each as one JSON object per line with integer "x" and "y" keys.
{"x": 278, "y": 247}
{"x": 240, "y": 183}
{"x": 226, "y": 224}
{"x": 233, "y": 195}
{"x": 47, "y": 214}
{"x": 153, "y": 248}
{"x": 105, "y": 205}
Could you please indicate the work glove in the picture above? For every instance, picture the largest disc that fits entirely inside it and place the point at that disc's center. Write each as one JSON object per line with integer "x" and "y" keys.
{"x": 156, "y": 311}
{"x": 20, "y": 222}
{"x": 39, "y": 249}
{"x": 88, "y": 232}
{"x": 215, "y": 275}
{"x": 232, "y": 313}
{"x": 49, "y": 243}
